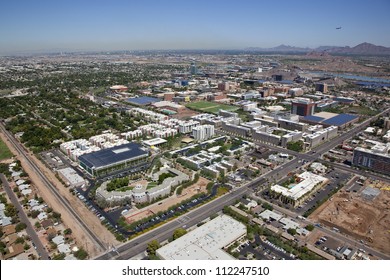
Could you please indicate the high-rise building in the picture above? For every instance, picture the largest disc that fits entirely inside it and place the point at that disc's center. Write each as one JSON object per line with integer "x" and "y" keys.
{"x": 387, "y": 123}
{"x": 193, "y": 69}
{"x": 374, "y": 159}
{"x": 303, "y": 107}
{"x": 322, "y": 87}
{"x": 203, "y": 132}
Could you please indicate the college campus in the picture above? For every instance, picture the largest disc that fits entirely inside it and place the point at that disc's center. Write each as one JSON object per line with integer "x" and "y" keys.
{"x": 279, "y": 153}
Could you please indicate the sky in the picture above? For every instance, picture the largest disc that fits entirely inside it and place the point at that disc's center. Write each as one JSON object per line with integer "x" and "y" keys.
{"x": 75, "y": 25}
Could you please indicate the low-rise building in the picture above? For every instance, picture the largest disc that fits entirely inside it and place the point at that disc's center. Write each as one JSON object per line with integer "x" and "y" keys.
{"x": 295, "y": 194}
{"x": 205, "y": 242}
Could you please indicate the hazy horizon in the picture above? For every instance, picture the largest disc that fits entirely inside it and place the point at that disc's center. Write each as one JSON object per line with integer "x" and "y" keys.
{"x": 44, "y": 26}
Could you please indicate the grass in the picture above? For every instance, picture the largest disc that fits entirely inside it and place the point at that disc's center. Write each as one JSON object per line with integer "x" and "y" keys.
{"x": 210, "y": 107}
{"x": 5, "y": 153}
{"x": 151, "y": 185}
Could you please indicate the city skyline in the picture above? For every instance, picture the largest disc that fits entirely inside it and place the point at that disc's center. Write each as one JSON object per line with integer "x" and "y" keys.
{"x": 148, "y": 25}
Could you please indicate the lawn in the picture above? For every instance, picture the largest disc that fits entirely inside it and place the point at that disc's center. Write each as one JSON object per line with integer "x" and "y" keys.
{"x": 210, "y": 107}
{"x": 4, "y": 151}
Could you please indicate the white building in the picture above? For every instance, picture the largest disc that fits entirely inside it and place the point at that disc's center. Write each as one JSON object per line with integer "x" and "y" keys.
{"x": 203, "y": 132}
{"x": 296, "y": 194}
{"x": 205, "y": 242}
{"x": 70, "y": 177}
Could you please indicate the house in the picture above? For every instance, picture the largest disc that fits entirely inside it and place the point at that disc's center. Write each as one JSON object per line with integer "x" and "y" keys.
{"x": 63, "y": 248}
{"x": 59, "y": 239}
{"x": 10, "y": 229}
{"x": 10, "y": 239}
{"x": 42, "y": 216}
{"x": 14, "y": 250}
{"x": 47, "y": 223}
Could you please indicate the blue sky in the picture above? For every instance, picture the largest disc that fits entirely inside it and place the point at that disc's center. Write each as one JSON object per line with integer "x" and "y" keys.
{"x": 189, "y": 24}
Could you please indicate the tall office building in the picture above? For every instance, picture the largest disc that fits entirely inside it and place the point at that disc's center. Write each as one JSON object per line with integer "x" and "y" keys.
{"x": 193, "y": 69}
{"x": 303, "y": 107}
{"x": 203, "y": 132}
{"x": 322, "y": 87}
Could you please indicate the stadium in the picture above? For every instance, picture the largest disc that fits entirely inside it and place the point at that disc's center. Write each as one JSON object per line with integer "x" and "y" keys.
{"x": 127, "y": 157}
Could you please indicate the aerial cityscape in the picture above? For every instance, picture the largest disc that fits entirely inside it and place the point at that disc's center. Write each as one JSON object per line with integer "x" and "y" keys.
{"x": 227, "y": 133}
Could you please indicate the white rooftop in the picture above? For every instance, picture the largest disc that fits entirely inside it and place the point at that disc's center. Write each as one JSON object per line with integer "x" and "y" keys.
{"x": 309, "y": 181}
{"x": 205, "y": 242}
{"x": 267, "y": 215}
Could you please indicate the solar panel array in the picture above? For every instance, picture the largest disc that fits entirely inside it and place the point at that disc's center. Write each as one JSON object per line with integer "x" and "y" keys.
{"x": 112, "y": 155}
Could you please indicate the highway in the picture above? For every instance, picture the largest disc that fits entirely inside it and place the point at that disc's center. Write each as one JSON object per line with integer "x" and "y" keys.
{"x": 52, "y": 188}
{"x": 162, "y": 233}
{"x": 24, "y": 219}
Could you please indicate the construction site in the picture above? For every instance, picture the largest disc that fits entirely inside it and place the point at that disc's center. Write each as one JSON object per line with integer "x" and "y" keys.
{"x": 364, "y": 214}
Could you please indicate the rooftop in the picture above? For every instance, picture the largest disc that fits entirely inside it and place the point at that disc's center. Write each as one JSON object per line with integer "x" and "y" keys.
{"x": 113, "y": 155}
{"x": 205, "y": 242}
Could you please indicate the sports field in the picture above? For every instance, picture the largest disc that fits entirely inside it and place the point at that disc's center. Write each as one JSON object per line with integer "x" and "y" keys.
{"x": 4, "y": 151}
{"x": 210, "y": 107}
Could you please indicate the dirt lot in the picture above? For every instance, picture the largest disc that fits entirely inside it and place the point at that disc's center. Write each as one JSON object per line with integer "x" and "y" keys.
{"x": 368, "y": 220}
{"x": 89, "y": 218}
{"x": 199, "y": 187}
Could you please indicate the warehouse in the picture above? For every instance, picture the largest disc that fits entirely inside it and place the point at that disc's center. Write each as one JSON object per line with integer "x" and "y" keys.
{"x": 108, "y": 161}
{"x": 205, "y": 242}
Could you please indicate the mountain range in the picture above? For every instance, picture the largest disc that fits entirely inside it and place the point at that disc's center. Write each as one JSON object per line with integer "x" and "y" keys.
{"x": 361, "y": 49}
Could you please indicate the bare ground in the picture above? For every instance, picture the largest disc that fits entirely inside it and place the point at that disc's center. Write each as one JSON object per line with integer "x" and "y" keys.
{"x": 358, "y": 217}
{"x": 82, "y": 238}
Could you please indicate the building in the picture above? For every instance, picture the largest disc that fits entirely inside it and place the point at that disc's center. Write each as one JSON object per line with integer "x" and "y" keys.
{"x": 303, "y": 106}
{"x": 205, "y": 242}
{"x": 322, "y": 87}
{"x": 330, "y": 119}
{"x": 143, "y": 193}
{"x": 124, "y": 157}
{"x": 294, "y": 92}
{"x": 193, "y": 69}
{"x": 377, "y": 158}
{"x": 295, "y": 194}
{"x": 70, "y": 177}
{"x": 203, "y": 132}
{"x": 387, "y": 123}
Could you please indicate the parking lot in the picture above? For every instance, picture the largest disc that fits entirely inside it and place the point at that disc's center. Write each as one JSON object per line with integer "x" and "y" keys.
{"x": 262, "y": 250}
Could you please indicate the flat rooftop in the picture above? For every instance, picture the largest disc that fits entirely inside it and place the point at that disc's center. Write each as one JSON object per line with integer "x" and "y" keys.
{"x": 113, "y": 155}
{"x": 309, "y": 181}
{"x": 205, "y": 242}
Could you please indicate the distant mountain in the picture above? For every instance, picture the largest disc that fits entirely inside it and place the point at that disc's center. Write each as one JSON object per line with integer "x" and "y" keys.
{"x": 362, "y": 49}
{"x": 281, "y": 48}
{"x": 325, "y": 48}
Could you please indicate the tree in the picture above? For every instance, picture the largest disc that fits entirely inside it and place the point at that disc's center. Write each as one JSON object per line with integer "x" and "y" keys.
{"x": 81, "y": 254}
{"x": 152, "y": 247}
{"x": 292, "y": 231}
{"x": 19, "y": 240}
{"x": 179, "y": 232}
{"x": 309, "y": 227}
{"x": 67, "y": 231}
{"x": 20, "y": 227}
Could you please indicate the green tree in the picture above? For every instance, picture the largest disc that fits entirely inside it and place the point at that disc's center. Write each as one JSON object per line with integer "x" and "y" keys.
{"x": 20, "y": 227}
{"x": 152, "y": 247}
{"x": 309, "y": 227}
{"x": 292, "y": 231}
{"x": 67, "y": 231}
{"x": 81, "y": 254}
{"x": 179, "y": 232}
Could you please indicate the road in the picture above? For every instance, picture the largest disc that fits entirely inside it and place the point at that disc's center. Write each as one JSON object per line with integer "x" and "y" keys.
{"x": 162, "y": 233}
{"x": 24, "y": 219}
{"x": 52, "y": 188}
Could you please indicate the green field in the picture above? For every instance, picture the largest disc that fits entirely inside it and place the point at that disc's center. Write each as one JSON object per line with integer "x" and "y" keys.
{"x": 210, "y": 107}
{"x": 4, "y": 151}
